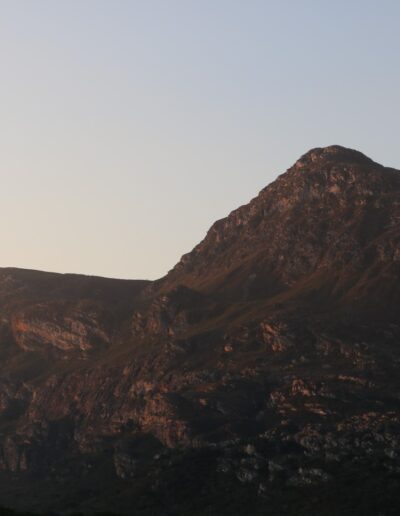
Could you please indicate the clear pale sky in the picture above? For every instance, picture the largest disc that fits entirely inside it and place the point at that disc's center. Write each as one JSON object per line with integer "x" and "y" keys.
{"x": 128, "y": 127}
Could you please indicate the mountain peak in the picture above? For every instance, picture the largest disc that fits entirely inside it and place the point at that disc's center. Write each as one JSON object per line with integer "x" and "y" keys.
{"x": 332, "y": 153}
{"x": 319, "y": 215}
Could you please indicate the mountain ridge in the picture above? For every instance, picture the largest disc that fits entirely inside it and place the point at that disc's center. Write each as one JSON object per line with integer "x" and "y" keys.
{"x": 265, "y": 361}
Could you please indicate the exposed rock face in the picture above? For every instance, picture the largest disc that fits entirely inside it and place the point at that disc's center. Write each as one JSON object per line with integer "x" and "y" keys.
{"x": 66, "y": 331}
{"x": 271, "y": 349}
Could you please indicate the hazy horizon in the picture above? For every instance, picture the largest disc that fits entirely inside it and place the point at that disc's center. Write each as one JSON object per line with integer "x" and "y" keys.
{"x": 128, "y": 128}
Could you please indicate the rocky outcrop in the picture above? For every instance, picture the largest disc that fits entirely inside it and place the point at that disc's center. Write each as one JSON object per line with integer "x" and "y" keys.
{"x": 76, "y": 330}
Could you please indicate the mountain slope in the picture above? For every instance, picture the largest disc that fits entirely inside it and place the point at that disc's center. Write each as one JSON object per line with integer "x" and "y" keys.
{"x": 335, "y": 209}
{"x": 266, "y": 361}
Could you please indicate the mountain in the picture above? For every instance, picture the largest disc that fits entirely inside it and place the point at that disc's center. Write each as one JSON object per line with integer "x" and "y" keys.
{"x": 260, "y": 373}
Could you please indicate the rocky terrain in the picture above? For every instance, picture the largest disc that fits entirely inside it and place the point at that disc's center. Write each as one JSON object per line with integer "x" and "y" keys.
{"x": 259, "y": 376}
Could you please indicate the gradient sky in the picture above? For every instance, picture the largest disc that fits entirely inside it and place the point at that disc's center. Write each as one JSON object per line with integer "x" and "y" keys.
{"x": 128, "y": 127}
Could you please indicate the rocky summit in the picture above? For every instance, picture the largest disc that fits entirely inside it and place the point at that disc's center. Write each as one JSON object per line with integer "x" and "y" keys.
{"x": 259, "y": 376}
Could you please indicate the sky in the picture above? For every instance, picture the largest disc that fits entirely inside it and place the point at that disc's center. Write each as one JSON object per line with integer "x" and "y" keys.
{"x": 127, "y": 127}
